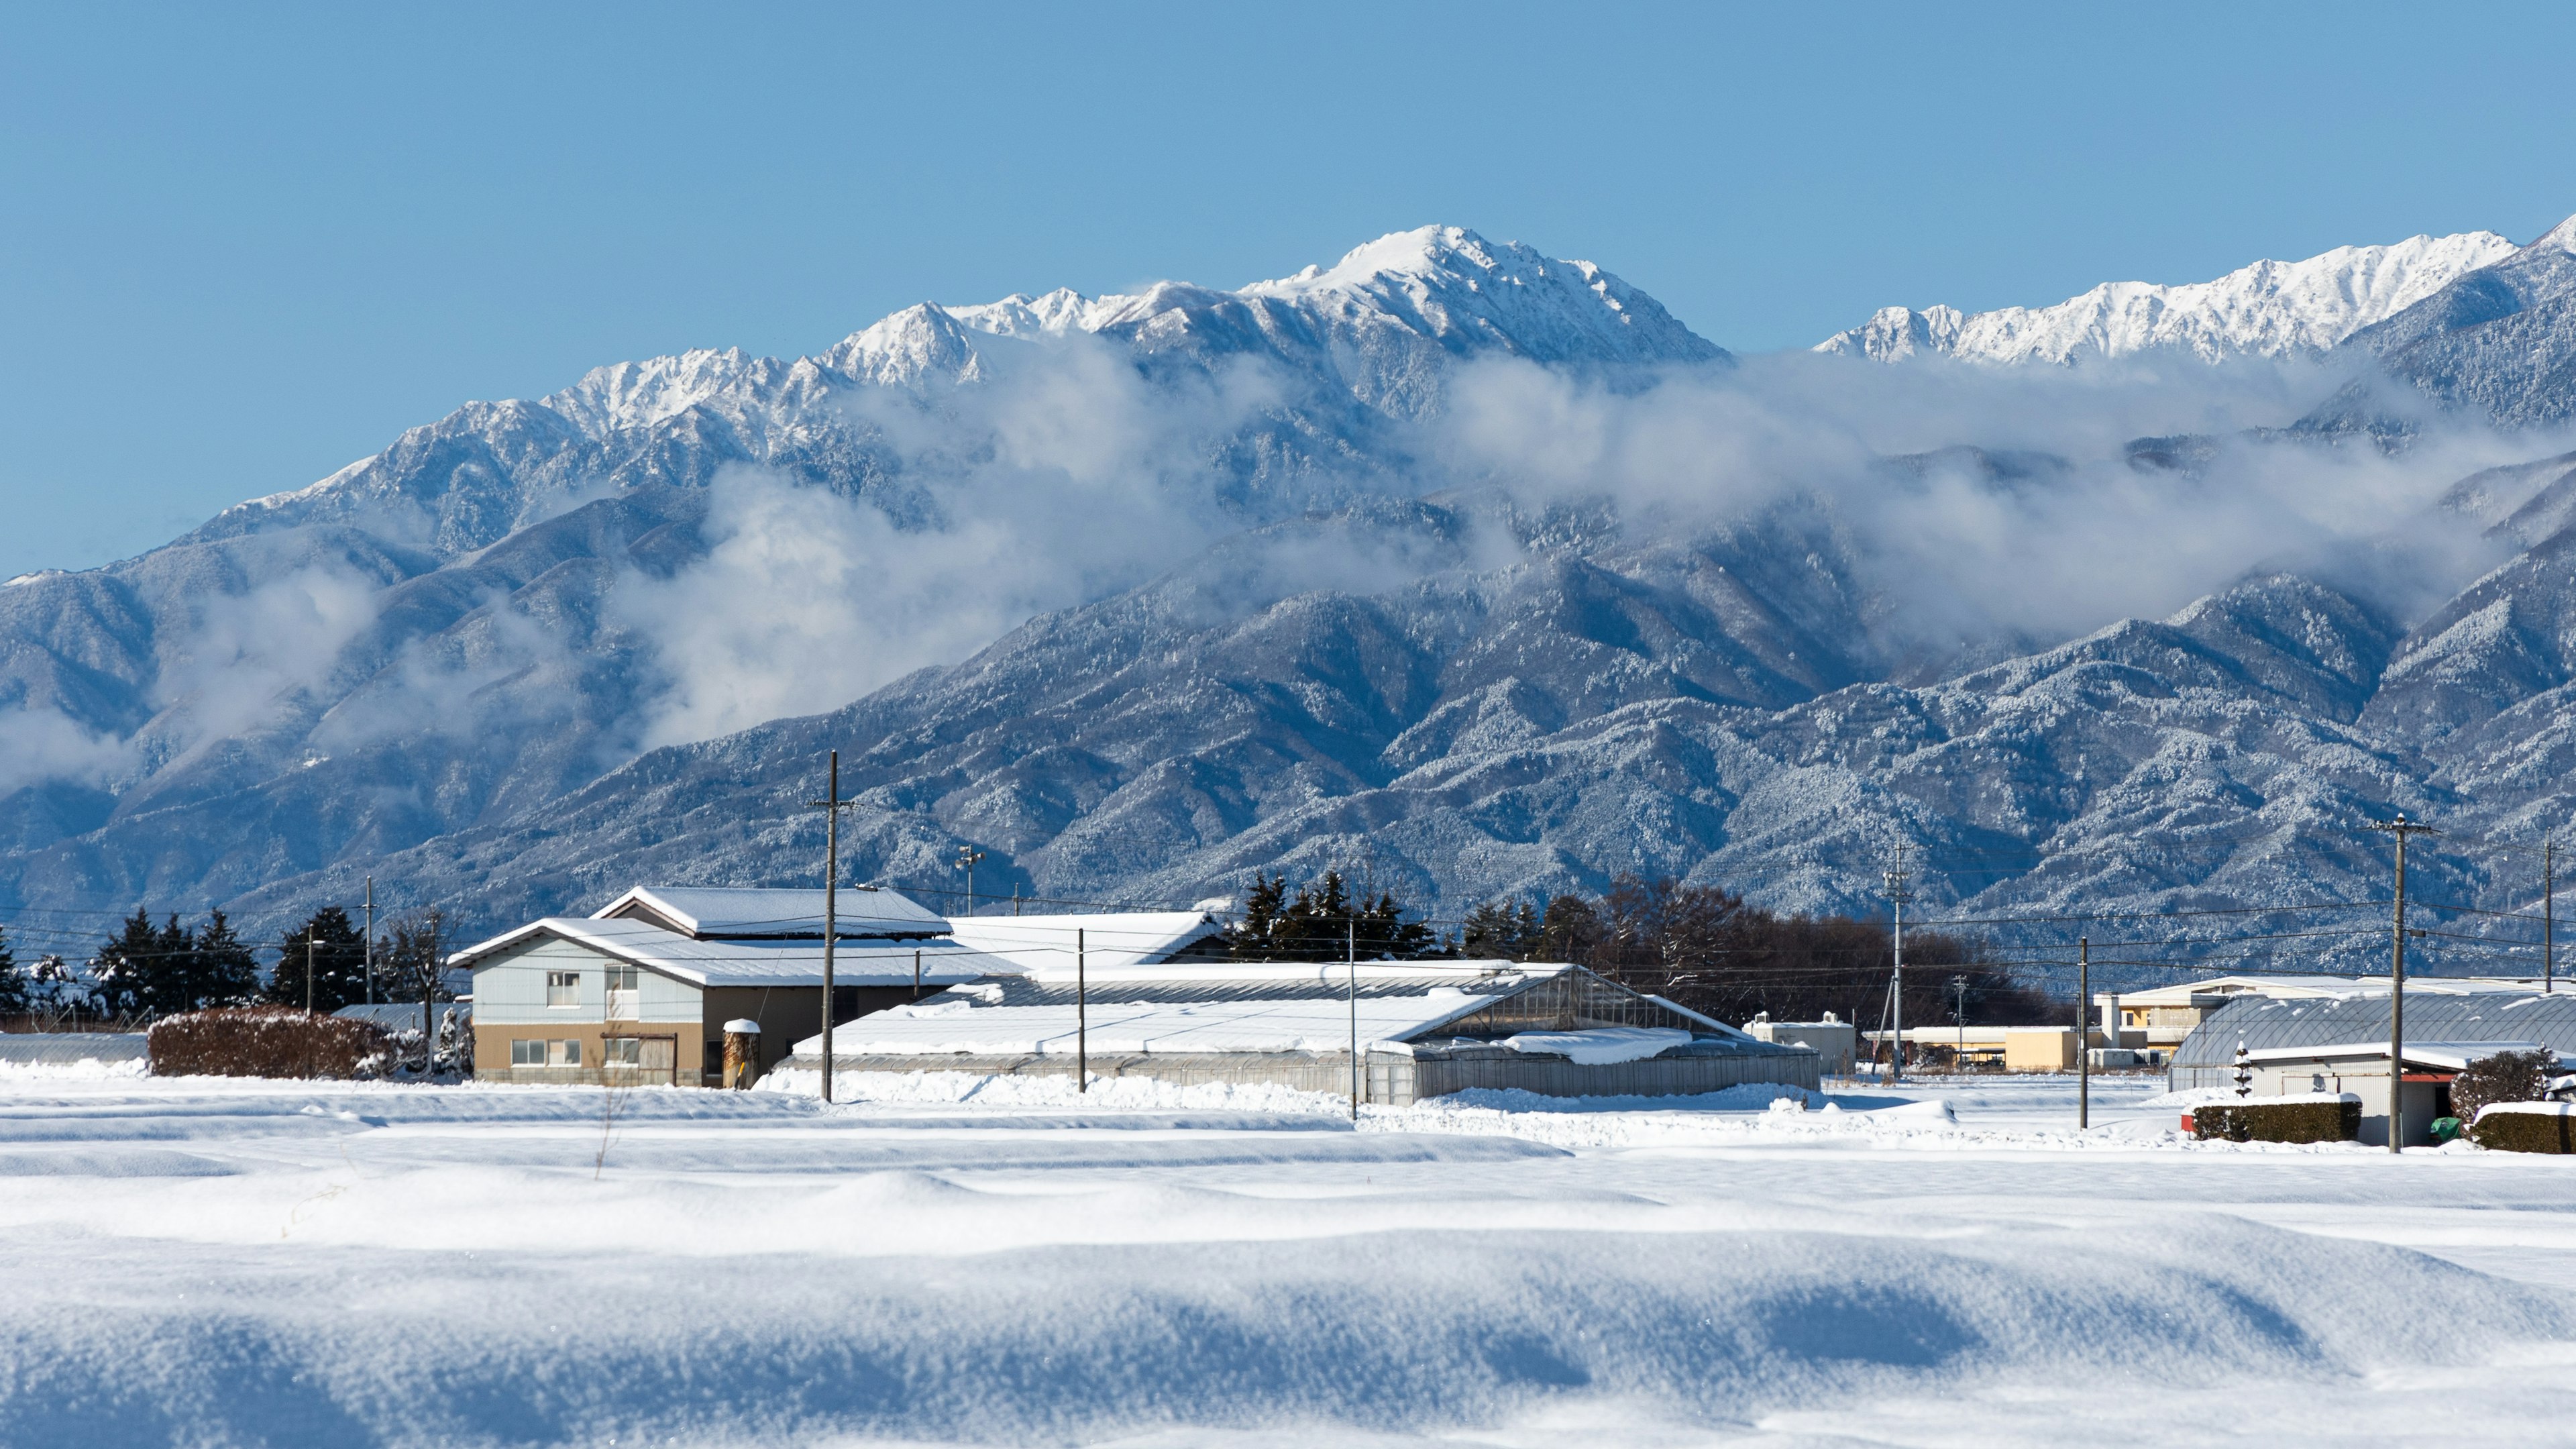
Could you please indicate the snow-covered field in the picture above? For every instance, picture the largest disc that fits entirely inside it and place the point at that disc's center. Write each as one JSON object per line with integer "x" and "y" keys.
{"x": 219, "y": 1262}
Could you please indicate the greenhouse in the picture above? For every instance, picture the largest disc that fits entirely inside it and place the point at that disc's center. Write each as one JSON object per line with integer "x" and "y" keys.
{"x": 1420, "y": 1029}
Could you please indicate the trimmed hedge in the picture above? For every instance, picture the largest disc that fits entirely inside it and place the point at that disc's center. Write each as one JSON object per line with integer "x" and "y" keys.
{"x": 2305, "y": 1119}
{"x": 2523, "y": 1131}
{"x": 266, "y": 1041}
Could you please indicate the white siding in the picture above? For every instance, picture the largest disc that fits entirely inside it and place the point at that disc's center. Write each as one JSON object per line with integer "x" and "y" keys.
{"x": 510, "y": 989}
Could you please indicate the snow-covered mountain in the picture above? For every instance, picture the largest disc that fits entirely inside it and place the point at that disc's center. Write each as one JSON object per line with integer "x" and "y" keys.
{"x": 1351, "y": 349}
{"x": 2269, "y": 309}
{"x": 2498, "y": 342}
{"x": 1291, "y": 634}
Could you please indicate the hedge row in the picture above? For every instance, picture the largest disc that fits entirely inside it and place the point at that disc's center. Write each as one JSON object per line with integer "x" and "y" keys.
{"x": 2307, "y": 1119}
{"x": 2523, "y": 1131}
{"x": 266, "y": 1041}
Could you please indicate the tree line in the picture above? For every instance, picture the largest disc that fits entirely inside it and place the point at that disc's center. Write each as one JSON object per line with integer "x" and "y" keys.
{"x": 1699, "y": 945}
{"x": 148, "y": 970}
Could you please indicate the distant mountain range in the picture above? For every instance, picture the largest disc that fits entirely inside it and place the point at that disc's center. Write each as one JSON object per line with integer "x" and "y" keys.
{"x": 2270, "y": 309}
{"x": 1328, "y": 642}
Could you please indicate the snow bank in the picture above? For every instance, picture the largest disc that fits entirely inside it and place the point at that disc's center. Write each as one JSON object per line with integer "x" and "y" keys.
{"x": 1414, "y": 1331}
{"x": 1107, "y": 1094}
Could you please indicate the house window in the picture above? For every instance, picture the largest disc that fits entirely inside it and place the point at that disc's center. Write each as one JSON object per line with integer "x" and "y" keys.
{"x": 563, "y": 988}
{"x": 527, "y": 1051}
{"x": 622, "y": 1051}
{"x": 564, "y": 1053}
{"x": 621, "y": 1004}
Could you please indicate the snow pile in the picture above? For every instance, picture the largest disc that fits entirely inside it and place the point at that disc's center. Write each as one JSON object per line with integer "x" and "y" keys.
{"x": 235, "y": 1263}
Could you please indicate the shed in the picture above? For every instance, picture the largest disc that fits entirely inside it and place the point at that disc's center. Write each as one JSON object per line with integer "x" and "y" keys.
{"x": 2339, "y": 1043}
{"x": 1424, "y": 1029}
{"x": 640, "y": 990}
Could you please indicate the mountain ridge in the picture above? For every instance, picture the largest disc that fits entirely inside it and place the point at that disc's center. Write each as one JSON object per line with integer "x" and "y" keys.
{"x": 2266, "y": 309}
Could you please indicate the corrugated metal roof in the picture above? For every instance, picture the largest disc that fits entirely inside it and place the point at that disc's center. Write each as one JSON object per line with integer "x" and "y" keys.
{"x": 745, "y": 912}
{"x": 2447, "y": 1016}
{"x": 751, "y": 962}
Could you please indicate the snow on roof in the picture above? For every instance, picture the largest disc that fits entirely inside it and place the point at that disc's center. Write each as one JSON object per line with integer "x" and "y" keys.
{"x": 749, "y": 913}
{"x": 2302, "y": 988}
{"x": 1266, "y": 1006}
{"x": 1110, "y": 941}
{"x": 1116, "y": 1027}
{"x": 2450, "y": 1055}
{"x": 2181, "y": 993}
{"x": 2494, "y": 1014}
{"x": 749, "y": 962}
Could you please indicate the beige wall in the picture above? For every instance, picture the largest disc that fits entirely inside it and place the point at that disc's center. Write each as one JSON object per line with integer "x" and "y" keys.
{"x": 787, "y": 1015}
{"x": 492, "y": 1052}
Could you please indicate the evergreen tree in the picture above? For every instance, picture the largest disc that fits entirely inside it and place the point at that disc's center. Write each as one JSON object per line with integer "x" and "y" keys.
{"x": 223, "y": 973}
{"x": 1510, "y": 932}
{"x": 336, "y": 960}
{"x": 1321, "y": 921}
{"x": 167, "y": 978}
{"x": 14, "y": 996}
{"x": 118, "y": 984}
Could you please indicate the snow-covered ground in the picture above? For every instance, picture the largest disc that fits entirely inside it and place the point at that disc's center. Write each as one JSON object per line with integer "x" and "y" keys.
{"x": 949, "y": 1260}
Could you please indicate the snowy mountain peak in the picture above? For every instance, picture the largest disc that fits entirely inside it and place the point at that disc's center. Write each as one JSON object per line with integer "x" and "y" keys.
{"x": 2561, "y": 237}
{"x": 1443, "y": 283}
{"x": 1424, "y": 252}
{"x": 2269, "y": 309}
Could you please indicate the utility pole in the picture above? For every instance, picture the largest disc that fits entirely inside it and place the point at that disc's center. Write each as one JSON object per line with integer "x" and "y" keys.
{"x": 967, "y": 855}
{"x": 1959, "y": 1014}
{"x": 916, "y": 973}
{"x": 1351, "y": 963}
{"x": 371, "y": 940}
{"x": 2548, "y": 915}
{"x": 1081, "y": 1016}
{"x": 308, "y": 967}
{"x": 2401, "y": 828}
{"x": 1897, "y": 896}
{"x": 831, "y": 805}
{"x": 2083, "y": 1033}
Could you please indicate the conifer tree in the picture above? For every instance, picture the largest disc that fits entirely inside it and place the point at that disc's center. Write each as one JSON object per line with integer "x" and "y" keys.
{"x": 337, "y": 961}
{"x": 117, "y": 973}
{"x": 14, "y": 996}
{"x": 166, "y": 975}
{"x": 224, "y": 973}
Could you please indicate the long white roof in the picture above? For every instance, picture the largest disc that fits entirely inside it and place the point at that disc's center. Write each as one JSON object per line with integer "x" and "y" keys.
{"x": 2309, "y": 988}
{"x": 749, "y": 962}
{"x": 741, "y": 911}
{"x": 1109, "y": 941}
{"x": 1308, "y": 1023}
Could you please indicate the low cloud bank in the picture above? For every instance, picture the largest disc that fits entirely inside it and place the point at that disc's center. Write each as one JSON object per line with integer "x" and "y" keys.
{"x": 1968, "y": 503}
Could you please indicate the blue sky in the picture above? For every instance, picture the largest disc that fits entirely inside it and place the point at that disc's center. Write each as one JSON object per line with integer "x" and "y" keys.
{"x": 243, "y": 247}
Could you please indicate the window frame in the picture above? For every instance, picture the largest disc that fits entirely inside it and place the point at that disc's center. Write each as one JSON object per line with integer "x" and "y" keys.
{"x": 563, "y": 981}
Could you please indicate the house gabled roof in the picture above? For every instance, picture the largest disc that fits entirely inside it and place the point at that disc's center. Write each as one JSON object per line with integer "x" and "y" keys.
{"x": 749, "y": 914}
{"x": 748, "y": 962}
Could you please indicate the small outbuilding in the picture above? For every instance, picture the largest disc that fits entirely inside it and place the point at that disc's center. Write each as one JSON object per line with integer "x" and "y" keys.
{"x": 641, "y": 989}
{"x": 1422, "y": 1029}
